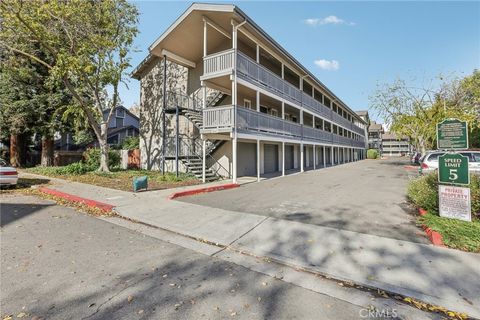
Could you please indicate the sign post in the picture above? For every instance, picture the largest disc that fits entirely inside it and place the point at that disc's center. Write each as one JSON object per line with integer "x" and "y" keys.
{"x": 454, "y": 201}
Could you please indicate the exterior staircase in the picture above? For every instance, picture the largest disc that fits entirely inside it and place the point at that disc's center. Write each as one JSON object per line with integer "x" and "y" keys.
{"x": 194, "y": 166}
{"x": 193, "y": 158}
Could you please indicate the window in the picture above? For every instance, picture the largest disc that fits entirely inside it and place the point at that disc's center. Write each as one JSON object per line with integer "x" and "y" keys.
{"x": 247, "y": 103}
{"x": 118, "y": 122}
{"x": 120, "y": 113}
{"x": 273, "y": 112}
{"x": 113, "y": 139}
{"x": 434, "y": 156}
{"x": 263, "y": 109}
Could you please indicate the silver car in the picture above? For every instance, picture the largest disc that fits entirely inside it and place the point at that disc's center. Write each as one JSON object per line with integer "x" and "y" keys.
{"x": 429, "y": 162}
{"x": 8, "y": 175}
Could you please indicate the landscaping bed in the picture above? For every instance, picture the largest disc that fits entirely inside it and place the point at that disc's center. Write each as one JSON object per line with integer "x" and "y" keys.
{"x": 118, "y": 179}
{"x": 423, "y": 192}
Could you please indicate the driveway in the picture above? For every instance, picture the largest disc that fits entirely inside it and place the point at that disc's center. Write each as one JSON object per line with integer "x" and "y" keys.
{"x": 366, "y": 196}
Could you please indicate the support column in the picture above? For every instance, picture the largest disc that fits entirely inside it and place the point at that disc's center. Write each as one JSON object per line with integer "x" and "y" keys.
{"x": 324, "y": 158}
{"x": 331, "y": 156}
{"x": 301, "y": 157}
{"x": 258, "y": 160}
{"x": 283, "y": 159}
{"x": 314, "y": 158}
{"x": 204, "y": 157}
{"x": 235, "y": 103}
{"x": 204, "y": 141}
{"x": 283, "y": 110}
{"x": 258, "y": 101}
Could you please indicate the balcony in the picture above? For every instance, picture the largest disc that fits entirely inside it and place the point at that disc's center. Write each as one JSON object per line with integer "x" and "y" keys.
{"x": 222, "y": 120}
{"x": 222, "y": 63}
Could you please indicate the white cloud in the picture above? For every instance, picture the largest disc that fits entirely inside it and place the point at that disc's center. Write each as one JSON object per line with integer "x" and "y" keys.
{"x": 327, "y": 64}
{"x": 327, "y": 20}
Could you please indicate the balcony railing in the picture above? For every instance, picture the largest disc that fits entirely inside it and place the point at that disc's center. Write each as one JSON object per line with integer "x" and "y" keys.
{"x": 251, "y": 71}
{"x": 218, "y": 118}
{"x": 222, "y": 119}
{"x": 218, "y": 63}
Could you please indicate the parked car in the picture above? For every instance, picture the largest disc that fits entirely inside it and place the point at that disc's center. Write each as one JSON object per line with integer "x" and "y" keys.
{"x": 8, "y": 175}
{"x": 429, "y": 162}
{"x": 415, "y": 159}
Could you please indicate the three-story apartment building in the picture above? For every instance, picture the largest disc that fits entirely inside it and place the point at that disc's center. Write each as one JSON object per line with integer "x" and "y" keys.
{"x": 240, "y": 104}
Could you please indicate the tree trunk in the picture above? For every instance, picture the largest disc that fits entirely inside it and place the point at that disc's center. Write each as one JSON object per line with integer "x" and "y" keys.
{"x": 47, "y": 151}
{"x": 18, "y": 150}
{"x": 102, "y": 141}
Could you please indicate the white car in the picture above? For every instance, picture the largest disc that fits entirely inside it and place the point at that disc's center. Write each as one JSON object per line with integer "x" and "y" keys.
{"x": 429, "y": 162}
{"x": 8, "y": 175}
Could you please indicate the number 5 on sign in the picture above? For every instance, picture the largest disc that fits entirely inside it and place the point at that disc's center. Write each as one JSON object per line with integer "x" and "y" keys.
{"x": 453, "y": 168}
{"x": 453, "y": 174}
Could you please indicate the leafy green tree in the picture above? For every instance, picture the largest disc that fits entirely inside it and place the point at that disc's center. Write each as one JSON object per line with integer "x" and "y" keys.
{"x": 29, "y": 105}
{"x": 414, "y": 111}
{"x": 88, "y": 42}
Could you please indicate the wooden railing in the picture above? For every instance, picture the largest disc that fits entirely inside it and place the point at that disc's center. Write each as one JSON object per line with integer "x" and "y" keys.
{"x": 252, "y": 71}
{"x": 218, "y": 62}
{"x": 222, "y": 119}
{"x": 218, "y": 118}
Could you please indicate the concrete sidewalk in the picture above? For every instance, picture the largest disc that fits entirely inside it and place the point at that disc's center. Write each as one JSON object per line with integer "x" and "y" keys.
{"x": 440, "y": 276}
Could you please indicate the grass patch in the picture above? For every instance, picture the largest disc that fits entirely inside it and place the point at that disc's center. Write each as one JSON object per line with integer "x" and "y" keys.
{"x": 118, "y": 179}
{"x": 423, "y": 192}
{"x": 455, "y": 233}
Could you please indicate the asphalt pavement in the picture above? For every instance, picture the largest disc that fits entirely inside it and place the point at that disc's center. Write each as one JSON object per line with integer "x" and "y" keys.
{"x": 61, "y": 264}
{"x": 366, "y": 197}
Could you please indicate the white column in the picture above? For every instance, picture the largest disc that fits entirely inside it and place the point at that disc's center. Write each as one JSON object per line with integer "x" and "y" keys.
{"x": 205, "y": 28}
{"x": 283, "y": 159}
{"x": 258, "y": 101}
{"x": 258, "y": 54}
{"x": 324, "y": 157}
{"x": 283, "y": 110}
{"x": 258, "y": 160}
{"x": 301, "y": 157}
{"x": 204, "y": 141}
{"x": 331, "y": 156}
{"x": 314, "y": 158}
{"x": 283, "y": 71}
{"x": 234, "y": 102}
{"x": 204, "y": 157}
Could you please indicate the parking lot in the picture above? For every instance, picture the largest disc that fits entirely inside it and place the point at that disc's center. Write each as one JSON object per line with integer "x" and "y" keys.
{"x": 367, "y": 196}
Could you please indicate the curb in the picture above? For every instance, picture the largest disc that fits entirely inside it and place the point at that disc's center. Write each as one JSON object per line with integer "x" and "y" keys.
{"x": 91, "y": 203}
{"x": 434, "y": 236}
{"x": 202, "y": 190}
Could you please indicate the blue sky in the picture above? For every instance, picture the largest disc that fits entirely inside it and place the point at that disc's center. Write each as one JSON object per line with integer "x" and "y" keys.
{"x": 349, "y": 46}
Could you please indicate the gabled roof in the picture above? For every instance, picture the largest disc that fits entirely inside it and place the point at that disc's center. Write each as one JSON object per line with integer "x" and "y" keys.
{"x": 241, "y": 17}
{"x": 126, "y": 110}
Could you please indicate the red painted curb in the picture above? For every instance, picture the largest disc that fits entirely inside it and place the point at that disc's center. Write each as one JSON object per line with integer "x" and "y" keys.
{"x": 91, "y": 203}
{"x": 202, "y": 190}
{"x": 411, "y": 167}
{"x": 434, "y": 236}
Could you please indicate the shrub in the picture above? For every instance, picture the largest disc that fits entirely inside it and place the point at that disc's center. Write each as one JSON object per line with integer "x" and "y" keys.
{"x": 423, "y": 192}
{"x": 372, "y": 154}
{"x": 92, "y": 158}
{"x": 76, "y": 168}
{"x": 130, "y": 143}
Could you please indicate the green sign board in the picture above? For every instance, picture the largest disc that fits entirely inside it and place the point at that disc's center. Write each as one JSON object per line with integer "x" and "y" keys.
{"x": 452, "y": 134}
{"x": 453, "y": 168}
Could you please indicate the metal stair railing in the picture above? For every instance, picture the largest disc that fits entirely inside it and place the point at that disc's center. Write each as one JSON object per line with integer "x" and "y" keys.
{"x": 198, "y": 146}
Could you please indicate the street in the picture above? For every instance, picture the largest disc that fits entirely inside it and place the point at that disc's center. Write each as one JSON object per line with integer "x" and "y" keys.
{"x": 61, "y": 264}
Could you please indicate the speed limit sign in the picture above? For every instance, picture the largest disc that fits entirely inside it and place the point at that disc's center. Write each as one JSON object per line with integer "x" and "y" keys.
{"x": 453, "y": 168}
